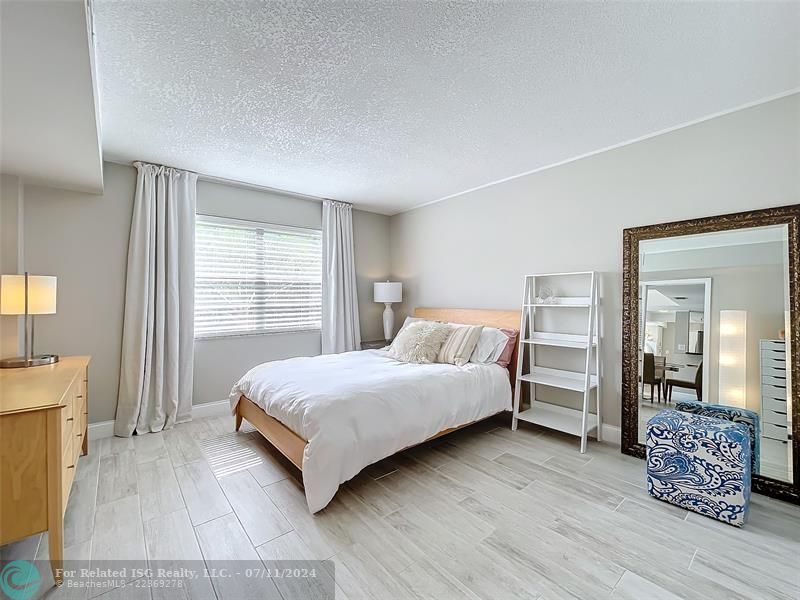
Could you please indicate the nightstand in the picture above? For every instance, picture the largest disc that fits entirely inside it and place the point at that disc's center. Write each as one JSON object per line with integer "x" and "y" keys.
{"x": 374, "y": 344}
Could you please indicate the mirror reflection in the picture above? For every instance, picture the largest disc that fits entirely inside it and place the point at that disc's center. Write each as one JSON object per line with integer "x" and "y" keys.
{"x": 714, "y": 319}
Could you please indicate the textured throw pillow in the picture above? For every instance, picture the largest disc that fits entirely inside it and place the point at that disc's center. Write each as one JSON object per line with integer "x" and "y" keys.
{"x": 409, "y": 321}
{"x": 458, "y": 346}
{"x": 419, "y": 342}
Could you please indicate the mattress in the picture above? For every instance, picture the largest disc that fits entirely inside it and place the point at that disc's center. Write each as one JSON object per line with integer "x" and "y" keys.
{"x": 357, "y": 408}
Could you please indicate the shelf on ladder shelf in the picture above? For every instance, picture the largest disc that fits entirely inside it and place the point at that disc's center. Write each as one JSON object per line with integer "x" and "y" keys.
{"x": 558, "y": 378}
{"x": 557, "y": 417}
{"x": 565, "y": 302}
{"x": 562, "y": 340}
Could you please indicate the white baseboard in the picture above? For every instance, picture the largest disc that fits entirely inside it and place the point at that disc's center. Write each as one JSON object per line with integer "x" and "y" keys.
{"x": 221, "y": 408}
{"x": 103, "y": 429}
{"x": 612, "y": 434}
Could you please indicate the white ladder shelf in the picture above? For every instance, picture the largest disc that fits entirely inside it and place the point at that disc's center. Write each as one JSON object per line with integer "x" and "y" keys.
{"x": 581, "y": 422}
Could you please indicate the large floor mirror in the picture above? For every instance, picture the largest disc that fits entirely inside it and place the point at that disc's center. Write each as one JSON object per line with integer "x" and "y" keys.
{"x": 711, "y": 313}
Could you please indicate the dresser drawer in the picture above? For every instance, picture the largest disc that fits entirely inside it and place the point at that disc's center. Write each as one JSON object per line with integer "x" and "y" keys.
{"x": 77, "y": 442}
{"x": 773, "y": 381}
{"x": 773, "y": 391}
{"x": 778, "y": 362}
{"x": 67, "y": 424}
{"x": 774, "y": 405}
{"x": 66, "y": 485}
{"x": 82, "y": 391}
{"x": 766, "y": 371}
{"x": 777, "y": 346}
{"x": 775, "y": 432}
{"x": 67, "y": 458}
{"x": 81, "y": 422}
{"x": 775, "y": 418}
{"x": 68, "y": 464}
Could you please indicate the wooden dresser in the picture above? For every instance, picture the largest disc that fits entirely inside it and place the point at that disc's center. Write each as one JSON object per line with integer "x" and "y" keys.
{"x": 43, "y": 427}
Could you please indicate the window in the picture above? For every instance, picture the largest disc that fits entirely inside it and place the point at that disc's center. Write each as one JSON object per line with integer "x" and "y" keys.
{"x": 255, "y": 278}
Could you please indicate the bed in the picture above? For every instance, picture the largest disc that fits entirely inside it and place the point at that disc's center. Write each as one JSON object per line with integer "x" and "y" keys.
{"x": 333, "y": 415}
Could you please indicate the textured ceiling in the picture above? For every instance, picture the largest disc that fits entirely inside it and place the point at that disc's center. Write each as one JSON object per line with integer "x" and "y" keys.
{"x": 393, "y": 104}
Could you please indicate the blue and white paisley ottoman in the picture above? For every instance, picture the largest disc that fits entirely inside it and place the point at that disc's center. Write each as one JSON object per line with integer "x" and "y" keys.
{"x": 730, "y": 413}
{"x": 700, "y": 463}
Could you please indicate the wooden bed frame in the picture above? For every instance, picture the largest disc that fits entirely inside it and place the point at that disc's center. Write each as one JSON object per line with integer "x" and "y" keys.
{"x": 292, "y": 445}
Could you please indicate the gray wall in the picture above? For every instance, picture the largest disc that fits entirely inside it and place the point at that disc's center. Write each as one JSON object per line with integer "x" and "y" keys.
{"x": 11, "y": 255}
{"x": 83, "y": 240}
{"x": 473, "y": 250}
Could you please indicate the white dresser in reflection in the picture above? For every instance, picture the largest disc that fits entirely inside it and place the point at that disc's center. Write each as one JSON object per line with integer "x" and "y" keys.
{"x": 774, "y": 420}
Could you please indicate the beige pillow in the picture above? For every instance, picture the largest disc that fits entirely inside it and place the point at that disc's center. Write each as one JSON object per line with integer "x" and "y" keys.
{"x": 458, "y": 346}
{"x": 419, "y": 342}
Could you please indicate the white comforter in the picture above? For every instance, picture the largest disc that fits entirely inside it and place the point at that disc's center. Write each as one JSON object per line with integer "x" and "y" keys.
{"x": 359, "y": 407}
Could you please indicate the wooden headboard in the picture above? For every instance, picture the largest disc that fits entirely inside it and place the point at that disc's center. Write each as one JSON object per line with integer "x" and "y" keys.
{"x": 507, "y": 319}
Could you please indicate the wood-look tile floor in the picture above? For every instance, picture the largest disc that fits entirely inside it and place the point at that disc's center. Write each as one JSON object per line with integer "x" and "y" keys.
{"x": 482, "y": 513}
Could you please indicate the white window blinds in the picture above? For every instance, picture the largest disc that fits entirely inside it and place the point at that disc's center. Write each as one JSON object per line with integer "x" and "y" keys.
{"x": 256, "y": 278}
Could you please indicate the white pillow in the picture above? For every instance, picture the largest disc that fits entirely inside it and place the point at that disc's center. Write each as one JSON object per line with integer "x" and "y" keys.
{"x": 490, "y": 346}
{"x": 420, "y": 342}
{"x": 409, "y": 321}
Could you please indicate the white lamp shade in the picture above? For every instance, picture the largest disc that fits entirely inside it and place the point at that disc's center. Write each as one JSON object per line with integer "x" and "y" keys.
{"x": 388, "y": 291}
{"x": 41, "y": 295}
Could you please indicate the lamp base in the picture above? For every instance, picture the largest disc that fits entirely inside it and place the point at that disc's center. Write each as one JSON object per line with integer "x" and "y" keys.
{"x": 35, "y": 361}
{"x": 388, "y": 322}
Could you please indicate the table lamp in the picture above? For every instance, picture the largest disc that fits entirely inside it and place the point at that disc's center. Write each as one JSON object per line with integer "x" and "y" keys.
{"x": 28, "y": 295}
{"x": 388, "y": 292}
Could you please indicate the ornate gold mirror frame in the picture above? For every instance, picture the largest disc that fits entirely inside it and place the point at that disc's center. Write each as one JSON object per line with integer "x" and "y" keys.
{"x": 785, "y": 215}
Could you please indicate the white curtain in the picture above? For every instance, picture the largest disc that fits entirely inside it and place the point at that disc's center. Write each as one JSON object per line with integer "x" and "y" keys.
{"x": 155, "y": 387}
{"x": 340, "y": 329}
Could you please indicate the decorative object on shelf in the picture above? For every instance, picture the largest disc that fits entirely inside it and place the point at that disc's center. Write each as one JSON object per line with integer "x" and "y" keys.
{"x": 538, "y": 297}
{"x": 700, "y": 463}
{"x": 28, "y": 295}
{"x": 733, "y": 357}
{"x": 388, "y": 292}
{"x": 545, "y": 296}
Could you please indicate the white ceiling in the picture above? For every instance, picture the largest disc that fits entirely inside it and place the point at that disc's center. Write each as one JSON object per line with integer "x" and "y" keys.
{"x": 49, "y": 121}
{"x": 390, "y": 105}
{"x": 676, "y": 297}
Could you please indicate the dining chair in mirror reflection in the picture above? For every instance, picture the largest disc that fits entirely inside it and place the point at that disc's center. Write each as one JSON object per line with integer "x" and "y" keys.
{"x": 711, "y": 314}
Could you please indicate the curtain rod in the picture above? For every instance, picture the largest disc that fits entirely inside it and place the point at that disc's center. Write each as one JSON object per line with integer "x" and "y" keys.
{"x": 231, "y": 182}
